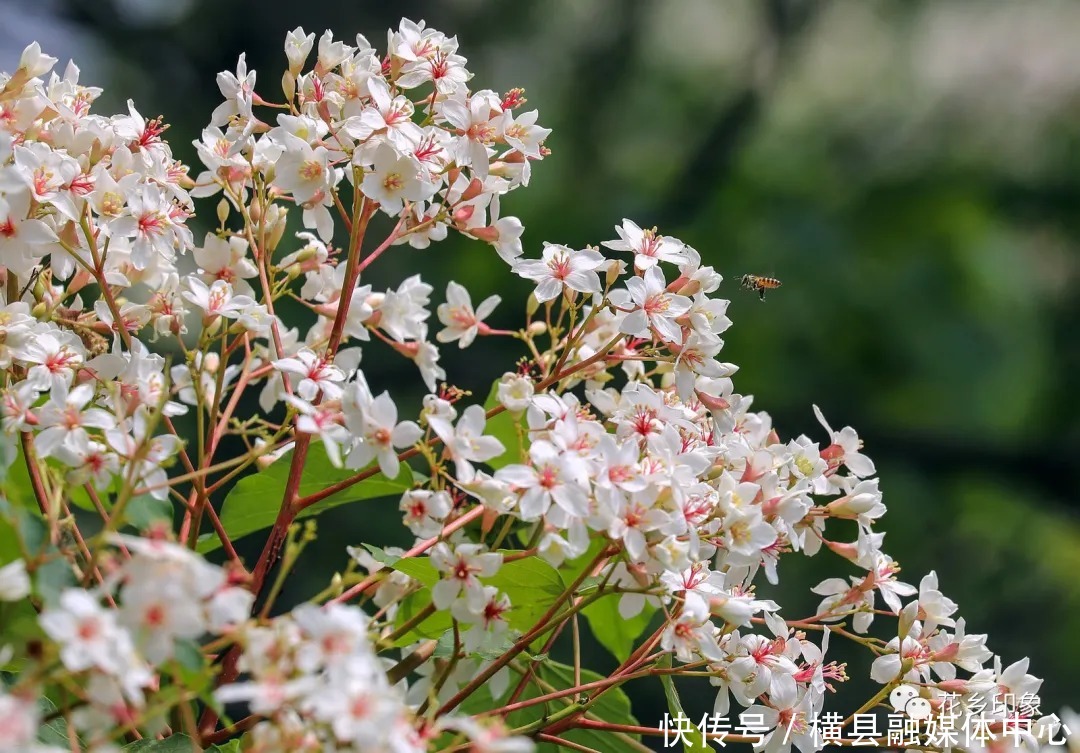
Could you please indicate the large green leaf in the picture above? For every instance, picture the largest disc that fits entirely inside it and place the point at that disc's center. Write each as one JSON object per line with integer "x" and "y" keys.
{"x": 531, "y": 584}
{"x": 613, "y": 707}
{"x": 616, "y": 633}
{"x": 253, "y": 503}
{"x": 179, "y": 743}
{"x": 54, "y": 732}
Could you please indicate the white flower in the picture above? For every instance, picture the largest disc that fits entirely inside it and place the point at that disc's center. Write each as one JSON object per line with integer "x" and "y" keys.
{"x": 374, "y": 422}
{"x": 304, "y": 171}
{"x": 65, "y": 418}
{"x": 158, "y": 611}
{"x": 317, "y": 375}
{"x": 33, "y": 62}
{"x": 655, "y": 307}
{"x": 648, "y": 247}
{"x": 934, "y": 607}
{"x": 479, "y": 120}
{"x": 425, "y": 510}
{"x": 88, "y": 634}
{"x": 19, "y": 721}
{"x": 553, "y": 477}
{"x": 226, "y": 259}
{"x": 216, "y": 299}
{"x": 562, "y": 268}
{"x": 465, "y": 443}
{"x": 845, "y": 449}
{"x": 14, "y": 581}
{"x": 462, "y": 567}
{"x": 462, "y": 322}
{"x": 395, "y": 179}
{"x": 324, "y": 422}
{"x": 791, "y": 716}
{"x": 515, "y": 392}
{"x": 297, "y": 48}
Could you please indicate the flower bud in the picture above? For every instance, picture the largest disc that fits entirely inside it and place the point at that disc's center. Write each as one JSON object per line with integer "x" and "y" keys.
{"x": 615, "y": 268}
{"x": 960, "y": 687}
{"x": 489, "y": 234}
{"x": 537, "y": 328}
{"x": 690, "y": 288}
{"x": 713, "y": 403}
{"x": 847, "y": 551}
{"x": 275, "y": 220}
{"x": 532, "y": 305}
{"x": 288, "y": 85}
{"x": 223, "y": 211}
{"x": 476, "y": 187}
{"x": 908, "y": 615}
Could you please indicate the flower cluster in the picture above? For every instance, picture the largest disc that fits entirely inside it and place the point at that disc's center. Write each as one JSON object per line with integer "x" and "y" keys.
{"x": 616, "y": 467}
{"x": 160, "y": 596}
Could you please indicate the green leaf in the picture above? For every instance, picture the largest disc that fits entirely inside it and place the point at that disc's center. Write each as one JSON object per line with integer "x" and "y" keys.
{"x": 613, "y": 706}
{"x": 532, "y": 585}
{"x": 26, "y": 532}
{"x": 437, "y": 625}
{"x": 380, "y": 554}
{"x": 418, "y": 568}
{"x": 54, "y": 732}
{"x": 143, "y": 511}
{"x": 188, "y": 667}
{"x": 19, "y": 625}
{"x": 52, "y": 577}
{"x": 253, "y": 503}
{"x": 616, "y": 633}
{"x": 178, "y": 743}
{"x": 508, "y": 429}
{"x": 693, "y": 740}
{"x": 233, "y": 746}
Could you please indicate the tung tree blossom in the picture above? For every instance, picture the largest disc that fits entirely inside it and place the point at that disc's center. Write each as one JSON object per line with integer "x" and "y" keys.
{"x": 613, "y": 480}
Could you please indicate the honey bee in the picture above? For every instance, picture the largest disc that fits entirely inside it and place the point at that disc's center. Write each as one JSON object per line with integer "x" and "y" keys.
{"x": 760, "y": 284}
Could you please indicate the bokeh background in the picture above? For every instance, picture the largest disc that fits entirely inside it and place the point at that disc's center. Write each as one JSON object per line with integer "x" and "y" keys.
{"x": 909, "y": 169}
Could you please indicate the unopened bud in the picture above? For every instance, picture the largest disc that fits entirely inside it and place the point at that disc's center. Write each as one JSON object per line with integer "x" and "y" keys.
{"x": 713, "y": 402}
{"x": 463, "y": 213}
{"x": 489, "y": 234}
{"x": 487, "y": 522}
{"x": 537, "y": 328}
{"x": 255, "y": 210}
{"x": 948, "y": 653}
{"x": 847, "y": 551}
{"x": 960, "y": 687}
{"x": 211, "y": 324}
{"x": 615, "y": 268}
{"x": 639, "y": 574}
{"x": 223, "y": 211}
{"x": 275, "y": 220}
{"x": 288, "y": 85}
{"x": 690, "y": 288}
{"x": 476, "y": 187}
{"x": 532, "y": 305}
{"x": 908, "y": 615}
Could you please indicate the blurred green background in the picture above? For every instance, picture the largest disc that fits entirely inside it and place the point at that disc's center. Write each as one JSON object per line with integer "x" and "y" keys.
{"x": 910, "y": 170}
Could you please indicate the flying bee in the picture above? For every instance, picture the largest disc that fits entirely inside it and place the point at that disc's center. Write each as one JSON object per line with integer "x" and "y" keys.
{"x": 760, "y": 284}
